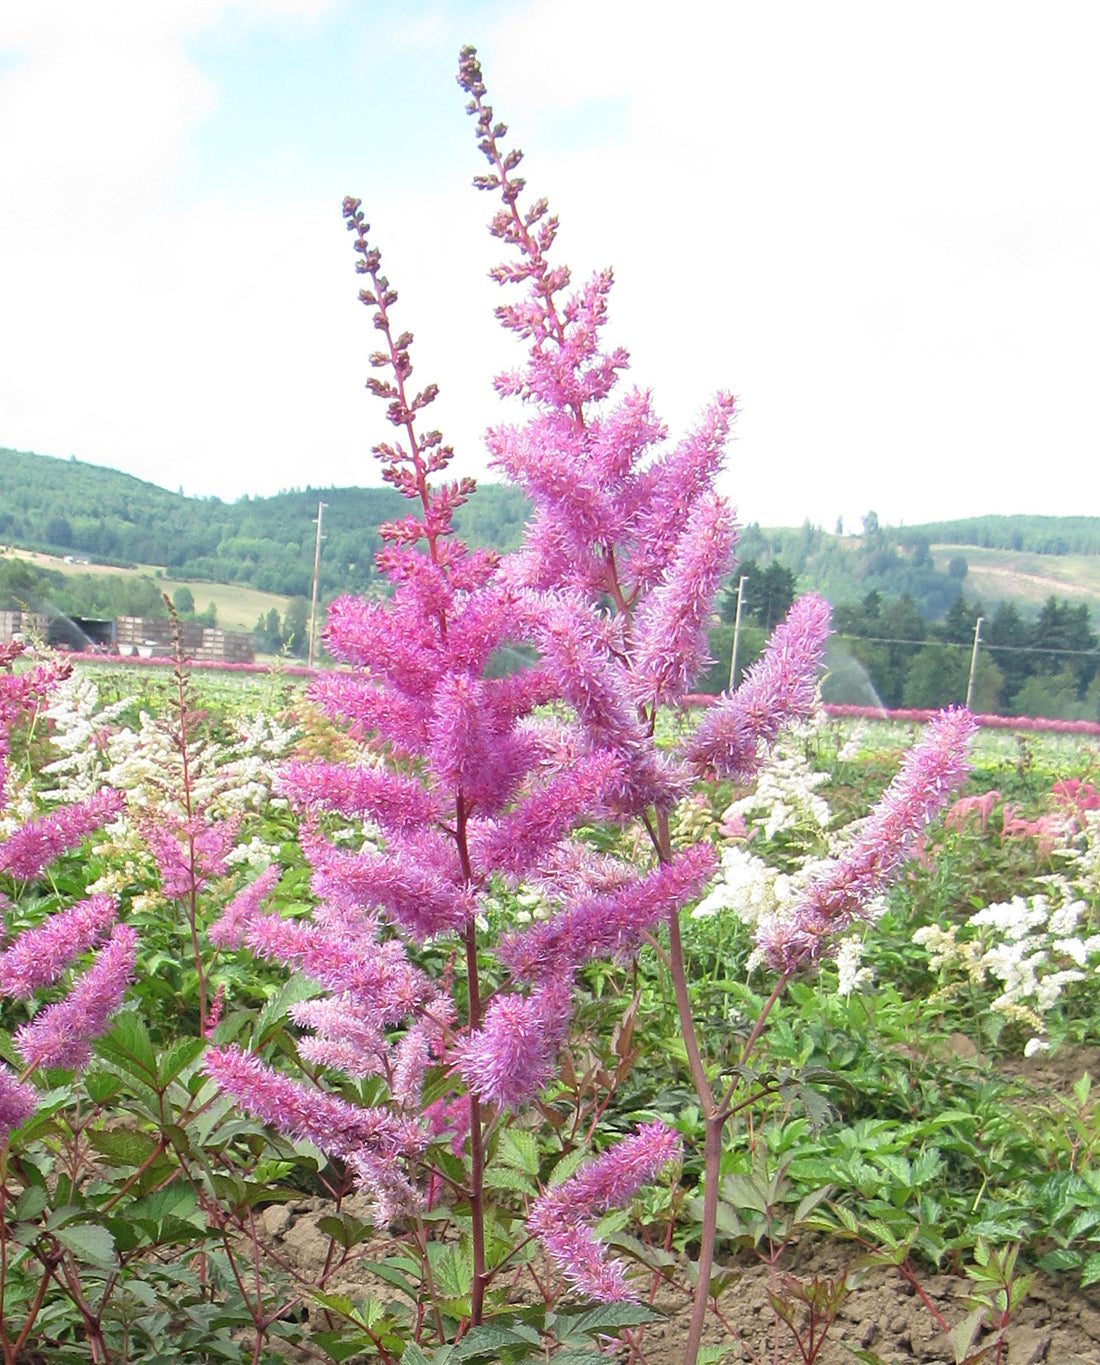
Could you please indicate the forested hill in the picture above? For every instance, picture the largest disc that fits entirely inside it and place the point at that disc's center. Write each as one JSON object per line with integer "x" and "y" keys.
{"x": 69, "y": 507}
{"x": 1034, "y": 534}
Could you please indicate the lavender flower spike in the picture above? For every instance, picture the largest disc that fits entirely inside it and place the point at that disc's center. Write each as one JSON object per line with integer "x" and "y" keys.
{"x": 35, "y": 845}
{"x": 560, "y": 1217}
{"x": 61, "y": 1034}
{"x": 512, "y": 1057}
{"x": 17, "y": 1102}
{"x": 39, "y": 956}
{"x": 229, "y": 929}
{"x": 928, "y": 775}
{"x": 779, "y": 688}
{"x": 670, "y": 632}
{"x": 375, "y": 1144}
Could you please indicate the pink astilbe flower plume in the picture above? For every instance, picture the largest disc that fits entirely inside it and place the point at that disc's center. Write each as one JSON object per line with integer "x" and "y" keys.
{"x": 357, "y": 793}
{"x": 61, "y": 1035}
{"x": 18, "y": 1101}
{"x": 670, "y": 635}
{"x": 374, "y": 1143}
{"x": 21, "y": 693}
{"x": 560, "y": 1217}
{"x": 520, "y": 842}
{"x": 780, "y": 688}
{"x": 40, "y": 955}
{"x": 401, "y": 721}
{"x": 38, "y": 843}
{"x": 511, "y": 1058}
{"x": 834, "y": 900}
{"x": 228, "y": 930}
{"x": 346, "y": 959}
{"x": 609, "y": 925}
{"x": 671, "y": 485}
{"x": 189, "y": 853}
{"x": 418, "y": 886}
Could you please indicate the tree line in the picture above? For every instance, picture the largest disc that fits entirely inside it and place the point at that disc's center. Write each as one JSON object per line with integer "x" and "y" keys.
{"x": 1043, "y": 667}
{"x": 68, "y": 507}
{"x": 903, "y": 618}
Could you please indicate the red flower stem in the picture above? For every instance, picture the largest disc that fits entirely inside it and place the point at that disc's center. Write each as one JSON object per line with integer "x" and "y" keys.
{"x": 714, "y": 1119}
{"x": 477, "y": 1158}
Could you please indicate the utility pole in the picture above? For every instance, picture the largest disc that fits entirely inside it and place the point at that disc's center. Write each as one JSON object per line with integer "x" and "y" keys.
{"x": 737, "y": 630}
{"x": 316, "y": 574}
{"x": 974, "y": 661}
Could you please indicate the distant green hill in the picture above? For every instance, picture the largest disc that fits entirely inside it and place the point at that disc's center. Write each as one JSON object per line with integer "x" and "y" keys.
{"x": 1030, "y": 534}
{"x": 69, "y": 507}
{"x": 906, "y": 599}
{"x": 933, "y": 564}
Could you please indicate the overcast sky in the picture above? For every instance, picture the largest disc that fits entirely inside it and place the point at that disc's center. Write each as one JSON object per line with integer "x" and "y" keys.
{"x": 877, "y": 223}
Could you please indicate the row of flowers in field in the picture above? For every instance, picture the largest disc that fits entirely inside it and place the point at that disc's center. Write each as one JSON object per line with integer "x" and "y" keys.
{"x": 983, "y": 719}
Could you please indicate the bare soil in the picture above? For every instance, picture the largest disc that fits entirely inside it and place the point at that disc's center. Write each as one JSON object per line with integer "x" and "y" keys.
{"x": 883, "y": 1314}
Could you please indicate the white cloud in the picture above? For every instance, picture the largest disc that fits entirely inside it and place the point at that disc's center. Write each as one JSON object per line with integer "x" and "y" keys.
{"x": 876, "y": 224}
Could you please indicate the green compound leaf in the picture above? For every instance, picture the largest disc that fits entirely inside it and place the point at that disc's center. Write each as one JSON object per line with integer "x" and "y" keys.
{"x": 92, "y": 1244}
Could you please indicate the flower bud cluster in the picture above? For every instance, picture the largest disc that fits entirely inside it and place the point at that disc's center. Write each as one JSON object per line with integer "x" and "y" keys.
{"x": 59, "y": 1035}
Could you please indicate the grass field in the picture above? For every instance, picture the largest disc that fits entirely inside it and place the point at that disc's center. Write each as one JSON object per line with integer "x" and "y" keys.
{"x": 237, "y": 605}
{"x": 994, "y": 576}
{"x": 1028, "y": 579}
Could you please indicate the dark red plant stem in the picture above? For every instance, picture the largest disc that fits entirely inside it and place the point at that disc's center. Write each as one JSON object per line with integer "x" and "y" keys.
{"x": 477, "y": 1158}
{"x": 192, "y": 895}
{"x": 905, "y": 1270}
{"x": 714, "y": 1120}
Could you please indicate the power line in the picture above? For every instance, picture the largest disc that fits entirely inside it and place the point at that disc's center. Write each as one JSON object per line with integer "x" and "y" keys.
{"x": 955, "y": 644}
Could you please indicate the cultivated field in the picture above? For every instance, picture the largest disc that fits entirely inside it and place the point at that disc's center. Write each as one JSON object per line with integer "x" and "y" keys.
{"x": 1025, "y": 578}
{"x": 238, "y": 606}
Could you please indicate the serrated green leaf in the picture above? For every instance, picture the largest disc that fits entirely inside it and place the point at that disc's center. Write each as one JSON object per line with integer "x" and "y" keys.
{"x": 1084, "y": 1222}
{"x": 710, "y": 1355}
{"x": 817, "y": 1107}
{"x": 101, "y": 1086}
{"x": 337, "y": 1303}
{"x": 296, "y": 989}
{"x": 178, "y": 1199}
{"x": 519, "y": 1150}
{"x": 177, "y": 1057}
{"x": 345, "y": 1229}
{"x": 31, "y": 1203}
{"x": 89, "y": 1243}
{"x": 489, "y": 1338}
{"x": 123, "y": 1146}
{"x": 961, "y": 1336}
{"x": 613, "y": 1316}
{"x": 413, "y": 1355}
{"x": 847, "y": 1217}
{"x": 452, "y": 1269}
{"x": 1090, "y": 1272}
{"x": 566, "y": 1166}
{"x": 810, "y": 1202}
{"x": 128, "y": 1047}
{"x": 397, "y": 1279}
{"x": 1060, "y": 1260}
{"x": 339, "y": 1346}
{"x": 507, "y": 1179}
{"x": 744, "y": 1192}
{"x": 927, "y": 1166}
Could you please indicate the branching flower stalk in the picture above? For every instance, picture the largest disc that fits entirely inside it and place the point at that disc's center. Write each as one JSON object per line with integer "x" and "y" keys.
{"x": 40, "y": 957}
{"x": 465, "y": 784}
{"x": 654, "y": 540}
